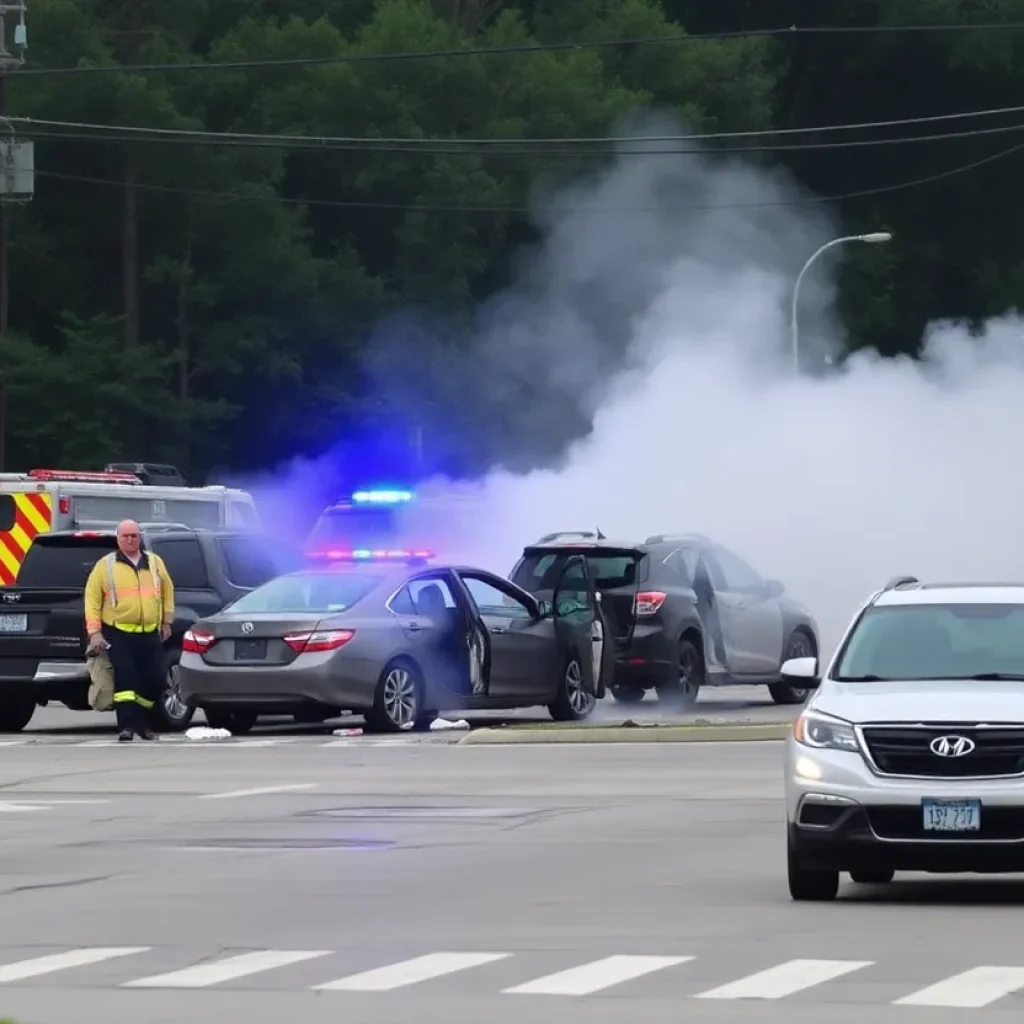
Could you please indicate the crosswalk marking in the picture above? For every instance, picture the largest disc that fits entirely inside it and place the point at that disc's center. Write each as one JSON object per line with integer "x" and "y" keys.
{"x": 970, "y": 990}
{"x": 204, "y": 975}
{"x": 62, "y": 961}
{"x": 600, "y": 974}
{"x": 410, "y": 972}
{"x": 785, "y": 979}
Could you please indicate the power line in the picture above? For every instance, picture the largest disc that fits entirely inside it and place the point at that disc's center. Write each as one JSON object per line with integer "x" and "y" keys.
{"x": 367, "y": 142}
{"x": 661, "y": 150}
{"x": 441, "y": 208}
{"x": 791, "y": 31}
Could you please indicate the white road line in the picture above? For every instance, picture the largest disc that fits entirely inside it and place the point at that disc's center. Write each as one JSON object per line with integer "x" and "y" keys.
{"x": 62, "y": 961}
{"x": 784, "y": 980}
{"x": 592, "y": 977}
{"x": 972, "y": 989}
{"x": 231, "y": 794}
{"x": 204, "y": 975}
{"x": 409, "y": 972}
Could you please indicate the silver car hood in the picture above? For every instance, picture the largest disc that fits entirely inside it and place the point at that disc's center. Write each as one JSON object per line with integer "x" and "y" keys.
{"x": 939, "y": 700}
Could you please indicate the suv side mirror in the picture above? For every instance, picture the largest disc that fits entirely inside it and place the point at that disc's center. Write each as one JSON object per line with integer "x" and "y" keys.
{"x": 775, "y": 588}
{"x": 544, "y": 609}
{"x": 801, "y": 673}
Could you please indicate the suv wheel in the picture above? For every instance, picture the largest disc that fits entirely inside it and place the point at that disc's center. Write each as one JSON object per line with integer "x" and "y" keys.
{"x": 16, "y": 711}
{"x": 806, "y": 884}
{"x": 680, "y": 692}
{"x": 800, "y": 646}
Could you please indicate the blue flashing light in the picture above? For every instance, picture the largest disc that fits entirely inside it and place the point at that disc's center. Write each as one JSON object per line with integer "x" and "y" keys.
{"x": 383, "y": 497}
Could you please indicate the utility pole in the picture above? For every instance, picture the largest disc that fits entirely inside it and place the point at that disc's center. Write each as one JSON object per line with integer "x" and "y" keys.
{"x": 15, "y": 159}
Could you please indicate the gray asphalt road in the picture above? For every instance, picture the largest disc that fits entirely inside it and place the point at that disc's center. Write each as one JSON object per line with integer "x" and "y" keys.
{"x": 182, "y": 882}
{"x": 740, "y": 703}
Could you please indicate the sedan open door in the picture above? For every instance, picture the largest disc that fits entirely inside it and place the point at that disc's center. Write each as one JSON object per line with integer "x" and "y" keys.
{"x": 579, "y": 625}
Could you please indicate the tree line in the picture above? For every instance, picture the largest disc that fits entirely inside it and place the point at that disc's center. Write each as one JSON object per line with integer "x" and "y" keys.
{"x": 212, "y": 302}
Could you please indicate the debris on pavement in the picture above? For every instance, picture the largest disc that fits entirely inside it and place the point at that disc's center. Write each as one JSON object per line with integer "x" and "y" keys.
{"x": 347, "y": 732}
{"x": 440, "y": 724}
{"x": 203, "y": 732}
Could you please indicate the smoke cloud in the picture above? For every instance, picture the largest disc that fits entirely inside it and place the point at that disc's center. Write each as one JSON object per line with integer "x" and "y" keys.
{"x": 657, "y": 309}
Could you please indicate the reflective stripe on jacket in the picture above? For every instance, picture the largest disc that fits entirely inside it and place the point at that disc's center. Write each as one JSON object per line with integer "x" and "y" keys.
{"x": 134, "y": 600}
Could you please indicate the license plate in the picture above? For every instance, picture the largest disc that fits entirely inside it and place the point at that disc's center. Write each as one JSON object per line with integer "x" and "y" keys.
{"x": 250, "y": 650}
{"x": 13, "y": 623}
{"x": 951, "y": 815}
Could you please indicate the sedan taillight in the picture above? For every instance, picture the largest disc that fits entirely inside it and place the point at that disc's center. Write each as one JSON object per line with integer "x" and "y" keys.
{"x": 319, "y": 640}
{"x": 196, "y": 641}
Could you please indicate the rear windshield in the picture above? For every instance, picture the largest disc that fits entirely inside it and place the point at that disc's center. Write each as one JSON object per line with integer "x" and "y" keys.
{"x": 540, "y": 570}
{"x": 318, "y": 593}
{"x": 935, "y": 642}
{"x": 354, "y": 527}
{"x": 61, "y": 562}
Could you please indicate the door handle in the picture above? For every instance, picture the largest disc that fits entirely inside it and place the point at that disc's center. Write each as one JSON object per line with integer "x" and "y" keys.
{"x": 498, "y": 629}
{"x": 413, "y": 627}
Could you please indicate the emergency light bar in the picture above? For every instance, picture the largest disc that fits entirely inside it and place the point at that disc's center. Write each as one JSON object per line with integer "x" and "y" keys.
{"x": 82, "y": 476}
{"x": 371, "y": 555}
{"x": 383, "y": 497}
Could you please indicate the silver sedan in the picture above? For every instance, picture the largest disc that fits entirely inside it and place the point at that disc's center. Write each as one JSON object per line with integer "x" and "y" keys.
{"x": 397, "y": 644}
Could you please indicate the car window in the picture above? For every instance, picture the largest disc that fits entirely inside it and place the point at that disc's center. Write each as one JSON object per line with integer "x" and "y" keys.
{"x": 935, "y": 642}
{"x": 317, "y": 593}
{"x": 539, "y": 571}
{"x": 730, "y": 572}
{"x": 184, "y": 560}
{"x": 491, "y": 601}
{"x": 250, "y": 562}
{"x": 417, "y": 587}
{"x": 62, "y": 561}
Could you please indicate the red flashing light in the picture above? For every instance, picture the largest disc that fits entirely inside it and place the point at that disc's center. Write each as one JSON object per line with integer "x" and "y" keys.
{"x": 91, "y": 533}
{"x": 370, "y": 555}
{"x": 197, "y": 640}
{"x": 648, "y": 602}
{"x": 319, "y": 640}
{"x": 82, "y": 476}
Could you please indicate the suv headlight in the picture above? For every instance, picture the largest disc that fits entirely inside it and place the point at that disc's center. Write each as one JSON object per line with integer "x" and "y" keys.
{"x": 822, "y": 732}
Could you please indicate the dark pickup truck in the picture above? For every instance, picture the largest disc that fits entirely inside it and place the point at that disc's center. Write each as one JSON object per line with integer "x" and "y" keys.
{"x": 42, "y": 615}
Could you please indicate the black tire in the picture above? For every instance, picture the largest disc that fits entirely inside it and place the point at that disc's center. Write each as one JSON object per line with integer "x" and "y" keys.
{"x": 806, "y": 884}
{"x": 572, "y": 703}
{"x": 872, "y": 876}
{"x": 680, "y": 692}
{"x": 238, "y": 723}
{"x": 16, "y": 711}
{"x": 171, "y": 713}
{"x": 628, "y": 694}
{"x": 398, "y": 700}
{"x": 801, "y": 645}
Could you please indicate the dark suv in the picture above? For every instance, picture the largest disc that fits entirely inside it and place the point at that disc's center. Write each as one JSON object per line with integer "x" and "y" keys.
{"x": 684, "y": 612}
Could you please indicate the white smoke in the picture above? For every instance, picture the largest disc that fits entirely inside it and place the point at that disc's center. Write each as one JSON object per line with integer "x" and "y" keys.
{"x": 833, "y": 482}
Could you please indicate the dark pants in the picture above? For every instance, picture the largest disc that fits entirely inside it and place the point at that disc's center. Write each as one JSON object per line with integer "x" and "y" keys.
{"x": 138, "y": 662}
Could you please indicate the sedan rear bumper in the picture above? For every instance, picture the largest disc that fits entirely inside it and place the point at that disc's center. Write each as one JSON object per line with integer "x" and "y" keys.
{"x": 307, "y": 681}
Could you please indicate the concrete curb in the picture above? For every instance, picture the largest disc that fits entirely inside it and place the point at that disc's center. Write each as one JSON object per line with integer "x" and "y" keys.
{"x": 712, "y": 733}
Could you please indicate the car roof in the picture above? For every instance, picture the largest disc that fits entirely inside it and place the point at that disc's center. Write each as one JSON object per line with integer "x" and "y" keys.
{"x": 951, "y": 593}
{"x": 579, "y": 541}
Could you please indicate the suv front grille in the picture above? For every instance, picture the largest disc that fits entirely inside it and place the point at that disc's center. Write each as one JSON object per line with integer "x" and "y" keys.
{"x": 906, "y": 750}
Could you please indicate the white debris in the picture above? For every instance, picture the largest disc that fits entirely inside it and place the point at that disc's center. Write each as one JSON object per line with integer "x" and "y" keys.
{"x": 440, "y": 724}
{"x": 347, "y": 732}
{"x": 202, "y": 732}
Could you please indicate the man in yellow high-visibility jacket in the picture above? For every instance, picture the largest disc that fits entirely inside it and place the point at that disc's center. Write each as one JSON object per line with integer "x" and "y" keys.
{"x": 129, "y": 610}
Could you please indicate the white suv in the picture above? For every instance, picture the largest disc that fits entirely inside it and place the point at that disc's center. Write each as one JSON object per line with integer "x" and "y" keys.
{"x": 909, "y": 755}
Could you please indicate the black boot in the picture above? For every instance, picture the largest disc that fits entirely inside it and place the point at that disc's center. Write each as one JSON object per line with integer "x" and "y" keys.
{"x": 125, "y": 736}
{"x": 147, "y": 734}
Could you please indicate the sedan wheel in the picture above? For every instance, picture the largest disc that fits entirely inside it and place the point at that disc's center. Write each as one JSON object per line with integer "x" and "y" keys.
{"x": 171, "y": 713}
{"x": 573, "y": 702}
{"x": 396, "y": 704}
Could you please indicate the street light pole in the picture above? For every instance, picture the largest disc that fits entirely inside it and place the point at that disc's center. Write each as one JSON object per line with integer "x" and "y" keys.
{"x": 874, "y": 238}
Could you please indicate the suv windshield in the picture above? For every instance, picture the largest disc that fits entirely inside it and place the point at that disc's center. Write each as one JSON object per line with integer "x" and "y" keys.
{"x": 355, "y": 527}
{"x": 935, "y": 641}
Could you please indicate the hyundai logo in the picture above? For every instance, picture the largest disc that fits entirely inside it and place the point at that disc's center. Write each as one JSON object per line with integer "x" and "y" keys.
{"x": 247, "y": 627}
{"x": 951, "y": 746}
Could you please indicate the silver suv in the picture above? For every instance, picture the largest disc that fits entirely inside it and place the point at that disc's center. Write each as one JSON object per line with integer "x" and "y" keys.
{"x": 909, "y": 755}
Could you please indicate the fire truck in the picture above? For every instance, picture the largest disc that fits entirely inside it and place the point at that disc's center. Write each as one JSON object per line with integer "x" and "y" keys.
{"x": 44, "y": 500}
